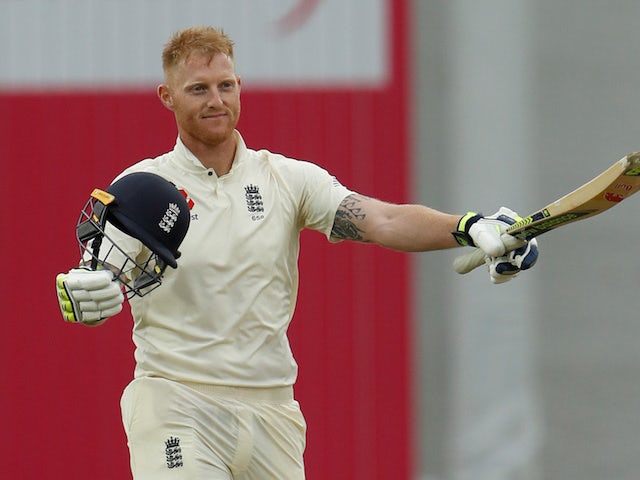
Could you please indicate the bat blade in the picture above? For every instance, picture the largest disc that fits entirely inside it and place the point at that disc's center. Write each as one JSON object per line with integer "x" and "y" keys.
{"x": 619, "y": 181}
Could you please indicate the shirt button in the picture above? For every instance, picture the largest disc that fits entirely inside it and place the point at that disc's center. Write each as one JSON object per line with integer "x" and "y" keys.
{"x": 210, "y": 173}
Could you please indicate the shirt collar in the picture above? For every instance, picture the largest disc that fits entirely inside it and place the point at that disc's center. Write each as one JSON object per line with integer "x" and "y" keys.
{"x": 187, "y": 160}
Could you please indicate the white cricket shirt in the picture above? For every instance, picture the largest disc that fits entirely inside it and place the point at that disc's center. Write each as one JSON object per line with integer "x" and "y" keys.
{"x": 221, "y": 317}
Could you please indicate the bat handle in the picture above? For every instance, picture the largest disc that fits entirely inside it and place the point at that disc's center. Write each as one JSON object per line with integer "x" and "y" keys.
{"x": 468, "y": 261}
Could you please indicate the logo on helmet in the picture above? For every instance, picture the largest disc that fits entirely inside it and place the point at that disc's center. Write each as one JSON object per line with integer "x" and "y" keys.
{"x": 169, "y": 218}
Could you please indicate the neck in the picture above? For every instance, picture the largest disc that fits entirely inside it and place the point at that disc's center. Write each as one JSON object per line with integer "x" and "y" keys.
{"x": 217, "y": 156}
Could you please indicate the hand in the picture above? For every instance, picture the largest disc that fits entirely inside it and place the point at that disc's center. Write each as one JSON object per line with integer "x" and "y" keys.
{"x": 502, "y": 269}
{"x": 88, "y": 296}
{"x": 504, "y": 254}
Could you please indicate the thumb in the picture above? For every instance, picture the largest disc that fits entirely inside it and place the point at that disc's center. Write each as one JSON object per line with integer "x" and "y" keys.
{"x": 510, "y": 242}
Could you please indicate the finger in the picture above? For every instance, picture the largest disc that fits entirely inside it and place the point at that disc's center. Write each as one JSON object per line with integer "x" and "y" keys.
{"x": 111, "y": 302}
{"x": 110, "y": 312}
{"x": 90, "y": 280}
{"x": 90, "y": 316}
{"x": 501, "y": 269}
{"x": 490, "y": 243}
{"x": 111, "y": 292}
{"x": 506, "y": 268}
{"x": 526, "y": 257}
{"x": 508, "y": 213}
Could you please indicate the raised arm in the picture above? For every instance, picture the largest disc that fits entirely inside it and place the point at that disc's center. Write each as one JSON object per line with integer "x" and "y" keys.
{"x": 416, "y": 228}
{"x": 407, "y": 228}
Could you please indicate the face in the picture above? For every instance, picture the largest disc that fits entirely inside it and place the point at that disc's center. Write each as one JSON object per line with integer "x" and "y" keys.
{"x": 205, "y": 98}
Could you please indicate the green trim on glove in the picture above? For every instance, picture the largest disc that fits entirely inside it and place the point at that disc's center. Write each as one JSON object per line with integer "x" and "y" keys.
{"x": 88, "y": 296}
{"x": 65, "y": 300}
{"x": 462, "y": 232}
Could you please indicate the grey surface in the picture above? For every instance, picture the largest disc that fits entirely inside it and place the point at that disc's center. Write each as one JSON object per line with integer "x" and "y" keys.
{"x": 587, "y": 82}
{"x": 584, "y": 91}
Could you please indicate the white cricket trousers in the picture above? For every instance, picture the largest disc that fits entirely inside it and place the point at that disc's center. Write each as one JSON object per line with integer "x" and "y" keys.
{"x": 183, "y": 431}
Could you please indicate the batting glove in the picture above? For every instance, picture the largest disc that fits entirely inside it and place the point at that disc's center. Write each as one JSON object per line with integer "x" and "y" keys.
{"x": 505, "y": 255}
{"x": 87, "y": 296}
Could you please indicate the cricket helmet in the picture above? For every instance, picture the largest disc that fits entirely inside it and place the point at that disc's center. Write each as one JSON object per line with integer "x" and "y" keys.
{"x": 146, "y": 207}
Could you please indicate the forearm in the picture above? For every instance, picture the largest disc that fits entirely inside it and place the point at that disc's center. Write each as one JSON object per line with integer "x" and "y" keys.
{"x": 409, "y": 228}
{"x": 416, "y": 228}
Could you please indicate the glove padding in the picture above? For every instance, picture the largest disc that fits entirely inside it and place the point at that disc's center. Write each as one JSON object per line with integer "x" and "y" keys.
{"x": 505, "y": 255}
{"x": 88, "y": 296}
{"x": 502, "y": 269}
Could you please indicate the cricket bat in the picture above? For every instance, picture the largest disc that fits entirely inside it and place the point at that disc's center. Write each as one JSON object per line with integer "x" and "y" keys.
{"x": 619, "y": 181}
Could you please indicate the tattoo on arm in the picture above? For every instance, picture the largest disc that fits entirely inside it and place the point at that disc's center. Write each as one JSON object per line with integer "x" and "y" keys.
{"x": 350, "y": 212}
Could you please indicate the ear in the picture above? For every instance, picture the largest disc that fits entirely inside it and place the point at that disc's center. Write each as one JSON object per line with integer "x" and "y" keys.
{"x": 164, "y": 94}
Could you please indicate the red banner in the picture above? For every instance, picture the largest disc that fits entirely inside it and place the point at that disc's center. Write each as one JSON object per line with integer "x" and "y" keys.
{"x": 351, "y": 331}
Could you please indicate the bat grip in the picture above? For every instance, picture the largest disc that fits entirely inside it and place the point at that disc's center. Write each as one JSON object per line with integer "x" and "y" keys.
{"x": 468, "y": 261}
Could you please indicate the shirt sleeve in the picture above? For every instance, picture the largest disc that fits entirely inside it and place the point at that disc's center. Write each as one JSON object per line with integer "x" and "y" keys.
{"x": 321, "y": 196}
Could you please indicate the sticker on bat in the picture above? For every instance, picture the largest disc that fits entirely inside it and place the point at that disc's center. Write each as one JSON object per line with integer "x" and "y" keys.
{"x": 539, "y": 228}
{"x": 613, "y": 197}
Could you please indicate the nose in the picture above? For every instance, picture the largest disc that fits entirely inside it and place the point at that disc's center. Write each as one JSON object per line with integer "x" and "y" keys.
{"x": 215, "y": 100}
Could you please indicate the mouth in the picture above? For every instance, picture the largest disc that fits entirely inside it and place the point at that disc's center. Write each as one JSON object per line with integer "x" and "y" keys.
{"x": 214, "y": 116}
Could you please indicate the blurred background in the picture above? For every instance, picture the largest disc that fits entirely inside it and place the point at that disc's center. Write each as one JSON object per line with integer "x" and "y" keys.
{"x": 407, "y": 370}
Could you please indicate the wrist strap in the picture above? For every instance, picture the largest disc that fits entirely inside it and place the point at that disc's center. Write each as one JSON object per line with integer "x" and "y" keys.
{"x": 462, "y": 231}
